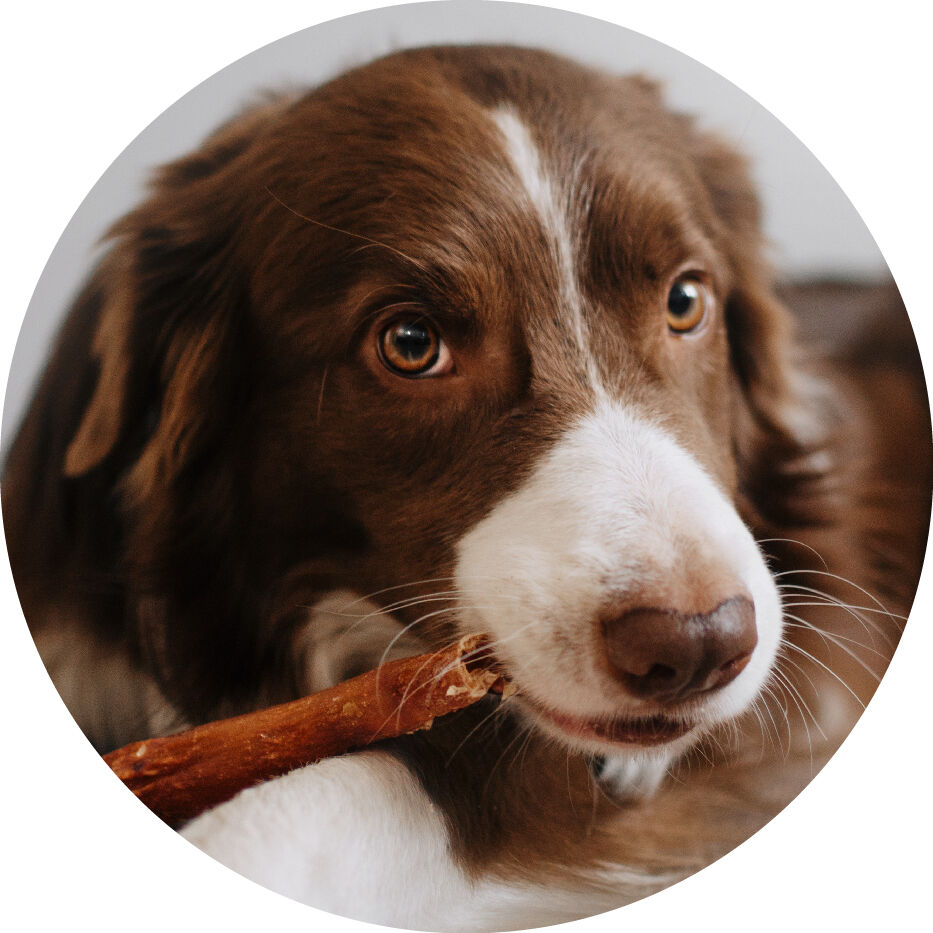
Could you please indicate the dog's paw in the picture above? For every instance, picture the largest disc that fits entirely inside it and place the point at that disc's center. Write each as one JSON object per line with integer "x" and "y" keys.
{"x": 346, "y": 635}
{"x": 628, "y": 778}
{"x": 354, "y": 835}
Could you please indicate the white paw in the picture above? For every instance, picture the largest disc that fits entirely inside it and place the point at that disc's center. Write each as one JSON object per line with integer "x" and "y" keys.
{"x": 354, "y": 835}
{"x": 346, "y": 635}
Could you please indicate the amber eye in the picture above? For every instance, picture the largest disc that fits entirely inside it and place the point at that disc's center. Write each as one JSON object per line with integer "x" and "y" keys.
{"x": 413, "y": 348}
{"x": 688, "y": 303}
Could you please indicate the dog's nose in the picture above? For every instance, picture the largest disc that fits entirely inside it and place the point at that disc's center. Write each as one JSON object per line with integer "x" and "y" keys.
{"x": 667, "y": 656}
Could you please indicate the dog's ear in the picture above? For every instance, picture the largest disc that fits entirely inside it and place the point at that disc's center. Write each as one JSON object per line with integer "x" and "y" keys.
{"x": 163, "y": 439}
{"x": 759, "y": 327}
{"x": 100, "y": 426}
{"x": 783, "y": 413}
{"x": 171, "y": 293}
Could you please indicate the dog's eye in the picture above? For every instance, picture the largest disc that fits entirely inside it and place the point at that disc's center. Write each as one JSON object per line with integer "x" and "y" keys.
{"x": 413, "y": 348}
{"x": 688, "y": 303}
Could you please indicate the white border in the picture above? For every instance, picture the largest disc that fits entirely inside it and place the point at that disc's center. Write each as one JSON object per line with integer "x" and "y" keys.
{"x": 81, "y": 80}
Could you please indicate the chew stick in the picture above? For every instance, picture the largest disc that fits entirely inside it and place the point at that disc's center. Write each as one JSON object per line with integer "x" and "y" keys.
{"x": 180, "y": 776}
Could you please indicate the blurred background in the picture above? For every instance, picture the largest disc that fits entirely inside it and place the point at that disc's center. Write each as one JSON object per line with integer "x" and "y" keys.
{"x": 813, "y": 229}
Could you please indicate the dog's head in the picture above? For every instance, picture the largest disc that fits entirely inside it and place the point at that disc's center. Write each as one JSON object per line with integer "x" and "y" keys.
{"x": 478, "y": 323}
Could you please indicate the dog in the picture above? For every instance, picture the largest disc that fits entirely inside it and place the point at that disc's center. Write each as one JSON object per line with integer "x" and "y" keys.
{"x": 473, "y": 339}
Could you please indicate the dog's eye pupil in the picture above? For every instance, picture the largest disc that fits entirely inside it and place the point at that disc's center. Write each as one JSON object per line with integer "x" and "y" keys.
{"x": 687, "y": 304}
{"x": 410, "y": 348}
{"x": 682, "y": 298}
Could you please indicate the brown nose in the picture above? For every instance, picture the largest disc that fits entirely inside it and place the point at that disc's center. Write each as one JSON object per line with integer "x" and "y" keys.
{"x": 667, "y": 656}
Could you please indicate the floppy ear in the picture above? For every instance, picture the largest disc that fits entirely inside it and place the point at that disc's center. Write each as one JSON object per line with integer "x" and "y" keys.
{"x": 783, "y": 412}
{"x": 157, "y": 462}
{"x": 100, "y": 426}
{"x": 171, "y": 294}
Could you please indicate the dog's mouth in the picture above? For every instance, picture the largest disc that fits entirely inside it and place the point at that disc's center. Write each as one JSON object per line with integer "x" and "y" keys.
{"x": 620, "y": 730}
{"x": 639, "y": 731}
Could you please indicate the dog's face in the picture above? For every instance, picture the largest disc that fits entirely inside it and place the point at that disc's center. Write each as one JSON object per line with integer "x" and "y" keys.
{"x": 484, "y": 327}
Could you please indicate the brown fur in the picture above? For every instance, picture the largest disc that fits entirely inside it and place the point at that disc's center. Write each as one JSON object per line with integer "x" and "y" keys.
{"x": 214, "y": 444}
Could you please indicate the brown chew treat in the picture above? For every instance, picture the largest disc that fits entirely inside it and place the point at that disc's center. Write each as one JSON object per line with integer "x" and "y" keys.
{"x": 180, "y": 776}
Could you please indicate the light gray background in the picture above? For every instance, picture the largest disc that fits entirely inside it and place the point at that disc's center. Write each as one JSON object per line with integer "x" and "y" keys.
{"x": 813, "y": 228}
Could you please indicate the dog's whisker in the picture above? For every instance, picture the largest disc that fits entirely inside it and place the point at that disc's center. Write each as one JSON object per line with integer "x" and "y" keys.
{"x": 779, "y": 700}
{"x": 848, "y": 606}
{"x": 402, "y": 604}
{"x": 358, "y": 621}
{"x": 438, "y": 675}
{"x": 832, "y": 637}
{"x": 411, "y": 602}
{"x": 414, "y": 679}
{"x": 840, "y": 579}
{"x": 755, "y": 710}
{"x": 763, "y": 708}
{"x": 496, "y": 711}
{"x": 825, "y": 600}
{"x": 792, "y": 589}
{"x": 798, "y": 699}
{"x": 394, "y": 287}
{"x": 491, "y": 644}
{"x": 827, "y": 636}
{"x": 881, "y": 635}
{"x": 782, "y": 656}
{"x": 414, "y": 600}
{"x": 519, "y": 735}
{"x": 798, "y": 589}
{"x": 523, "y": 751}
{"x": 789, "y": 661}
{"x": 369, "y": 240}
{"x": 320, "y": 398}
{"x": 405, "y": 629}
{"x": 802, "y": 544}
{"x": 805, "y": 715}
{"x": 399, "y": 586}
{"x": 567, "y": 779}
{"x": 792, "y": 695}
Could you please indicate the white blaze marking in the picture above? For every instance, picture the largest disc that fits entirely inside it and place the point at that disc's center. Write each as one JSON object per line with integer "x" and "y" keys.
{"x": 545, "y": 198}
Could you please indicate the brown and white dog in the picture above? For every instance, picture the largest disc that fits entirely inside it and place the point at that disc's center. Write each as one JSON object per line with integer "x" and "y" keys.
{"x": 470, "y": 339}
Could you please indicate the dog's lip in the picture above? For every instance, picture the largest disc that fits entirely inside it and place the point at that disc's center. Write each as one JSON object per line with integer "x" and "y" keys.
{"x": 619, "y": 730}
{"x": 657, "y": 729}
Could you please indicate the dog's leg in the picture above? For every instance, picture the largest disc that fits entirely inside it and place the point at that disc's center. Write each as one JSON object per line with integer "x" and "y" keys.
{"x": 358, "y": 836}
{"x": 346, "y": 635}
{"x": 355, "y": 835}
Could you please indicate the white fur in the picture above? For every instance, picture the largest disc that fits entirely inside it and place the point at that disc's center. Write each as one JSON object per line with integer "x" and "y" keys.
{"x": 358, "y": 836}
{"x": 549, "y": 202}
{"x": 345, "y": 635}
{"x": 633, "y": 776}
{"x": 615, "y": 507}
